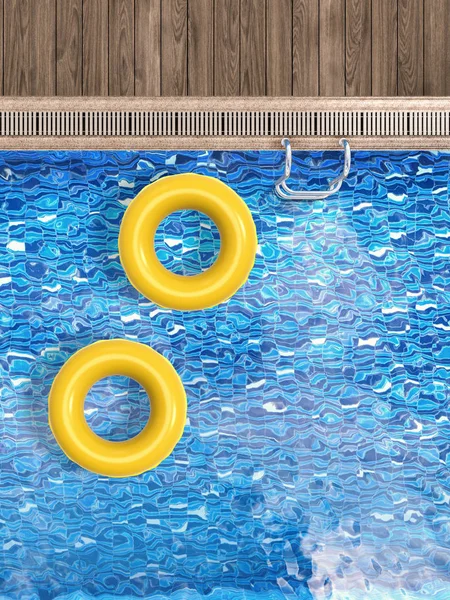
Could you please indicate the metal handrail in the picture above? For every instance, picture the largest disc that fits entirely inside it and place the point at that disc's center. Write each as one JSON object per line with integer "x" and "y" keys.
{"x": 286, "y": 193}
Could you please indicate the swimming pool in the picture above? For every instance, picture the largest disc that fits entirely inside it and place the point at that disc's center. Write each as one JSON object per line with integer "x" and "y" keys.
{"x": 315, "y": 461}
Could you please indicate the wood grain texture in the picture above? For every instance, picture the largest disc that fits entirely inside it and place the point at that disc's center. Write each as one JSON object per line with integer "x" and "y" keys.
{"x": 95, "y": 47}
{"x": 305, "y": 48}
{"x": 332, "y": 48}
{"x": 279, "y": 48}
{"x": 147, "y": 69}
{"x": 121, "y": 48}
{"x": 358, "y": 48}
{"x": 437, "y": 47}
{"x": 384, "y": 48}
{"x": 253, "y": 48}
{"x": 174, "y": 48}
{"x": 226, "y": 48}
{"x": 1, "y": 48}
{"x": 16, "y": 48}
{"x": 29, "y": 48}
{"x": 69, "y": 56}
{"x": 410, "y": 47}
{"x": 42, "y": 79}
{"x": 200, "y": 48}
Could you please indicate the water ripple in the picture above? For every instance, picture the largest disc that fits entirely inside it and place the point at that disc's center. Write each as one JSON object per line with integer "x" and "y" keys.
{"x": 315, "y": 462}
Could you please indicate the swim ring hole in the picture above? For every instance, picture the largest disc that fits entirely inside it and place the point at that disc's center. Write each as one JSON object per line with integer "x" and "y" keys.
{"x": 187, "y": 242}
{"x": 117, "y": 408}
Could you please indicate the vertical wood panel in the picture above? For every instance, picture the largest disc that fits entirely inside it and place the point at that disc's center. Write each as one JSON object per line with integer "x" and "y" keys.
{"x": 42, "y": 63}
{"x": 1, "y": 48}
{"x": 200, "y": 48}
{"x": 279, "y": 48}
{"x": 29, "y": 42}
{"x": 384, "y": 48}
{"x": 253, "y": 48}
{"x": 226, "y": 48}
{"x": 174, "y": 48}
{"x": 305, "y": 35}
{"x": 16, "y": 48}
{"x": 410, "y": 48}
{"x": 358, "y": 48}
{"x": 332, "y": 48}
{"x": 437, "y": 48}
{"x": 68, "y": 47}
{"x": 95, "y": 47}
{"x": 121, "y": 48}
{"x": 147, "y": 48}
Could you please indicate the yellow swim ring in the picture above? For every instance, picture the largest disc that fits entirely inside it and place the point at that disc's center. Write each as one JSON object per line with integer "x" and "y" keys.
{"x": 238, "y": 242}
{"x": 167, "y": 400}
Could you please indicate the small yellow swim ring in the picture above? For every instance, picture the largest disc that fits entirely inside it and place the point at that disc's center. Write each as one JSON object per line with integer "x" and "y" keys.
{"x": 238, "y": 242}
{"x": 167, "y": 399}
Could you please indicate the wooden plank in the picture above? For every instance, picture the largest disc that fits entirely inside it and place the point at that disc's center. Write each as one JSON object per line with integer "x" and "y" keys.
{"x": 305, "y": 36}
{"x": 226, "y": 48}
{"x": 253, "y": 48}
{"x": 384, "y": 48}
{"x": 200, "y": 48}
{"x": 42, "y": 59}
{"x": 437, "y": 47}
{"x": 358, "y": 48}
{"x": 174, "y": 48}
{"x": 410, "y": 48}
{"x": 69, "y": 50}
{"x": 279, "y": 48}
{"x": 16, "y": 48}
{"x": 29, "y": 48}
{"x": 95, "y": 48}
{"x": 1, "y": 48}
{"x": 147, "y": 48}
{"x": 121, "y": 48}
{"x": 332, "y": 48}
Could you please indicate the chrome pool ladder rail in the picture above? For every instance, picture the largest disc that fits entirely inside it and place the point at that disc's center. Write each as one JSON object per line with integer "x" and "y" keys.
{"x": 286, "y": 193}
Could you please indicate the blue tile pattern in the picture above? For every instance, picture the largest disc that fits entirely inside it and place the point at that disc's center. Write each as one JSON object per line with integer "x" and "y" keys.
{"x": 316, "y": 459}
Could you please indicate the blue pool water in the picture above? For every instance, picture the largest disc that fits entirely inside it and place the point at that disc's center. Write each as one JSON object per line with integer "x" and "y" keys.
{"x": 316, "y": 459}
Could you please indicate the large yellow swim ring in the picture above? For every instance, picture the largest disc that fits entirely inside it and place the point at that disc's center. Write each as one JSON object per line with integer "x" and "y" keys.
{"x": 238, "y": 242}
{"x": 167, "y": 400}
